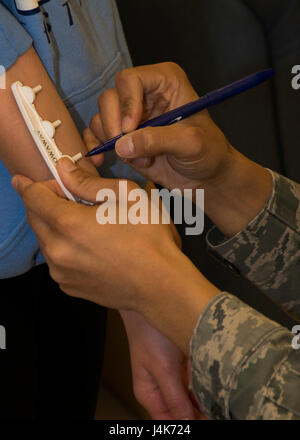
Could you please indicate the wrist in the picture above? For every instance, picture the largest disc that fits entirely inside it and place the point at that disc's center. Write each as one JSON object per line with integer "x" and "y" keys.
{"x": 174, "y": 309}
{"x": 237, "y": 194}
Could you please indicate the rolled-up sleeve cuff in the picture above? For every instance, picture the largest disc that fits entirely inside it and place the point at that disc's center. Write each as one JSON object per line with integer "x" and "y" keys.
{"x": 227, "y": 335}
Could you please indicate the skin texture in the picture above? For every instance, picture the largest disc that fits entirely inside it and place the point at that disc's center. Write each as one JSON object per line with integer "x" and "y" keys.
{"x": 16, "y": 143}
{"x": 157, "y": 281}
{"x": 16, "y": 146}
{"x": 159, "y": 371}
{"x": 74, "y": 244}
{"x": 190, "y": 154}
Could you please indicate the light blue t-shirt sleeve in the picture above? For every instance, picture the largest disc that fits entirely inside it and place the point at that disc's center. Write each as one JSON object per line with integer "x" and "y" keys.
{"x": 14, "y": 230}
{"x": 82, "y": 46}
{"x": 14, "y": 40}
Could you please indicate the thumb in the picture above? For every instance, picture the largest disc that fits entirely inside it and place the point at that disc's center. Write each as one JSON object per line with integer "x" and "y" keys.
{"x": 20, "y": 183}
{"x": 180, "y": 140}
{"x": 80, "y": 182}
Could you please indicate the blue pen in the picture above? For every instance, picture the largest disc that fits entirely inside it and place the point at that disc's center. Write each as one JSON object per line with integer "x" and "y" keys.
{"x": 193, "y": 107}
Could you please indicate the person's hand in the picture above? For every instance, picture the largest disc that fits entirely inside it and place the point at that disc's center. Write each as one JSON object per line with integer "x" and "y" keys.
{"x": 190, "y": 154}
{"x": 157, "y": 371}
{"x": 74, "y": 243}
{"x": 124, "y": 266}
{"x": 183, "y": 155}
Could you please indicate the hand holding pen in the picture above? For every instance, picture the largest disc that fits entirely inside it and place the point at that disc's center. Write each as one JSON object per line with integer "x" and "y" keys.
{"x": 189, "y": 109}
{"x": 187, "y": 154}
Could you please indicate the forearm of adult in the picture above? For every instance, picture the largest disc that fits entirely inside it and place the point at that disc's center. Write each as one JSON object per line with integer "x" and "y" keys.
{"x": 243, "y": 364}
{"x": 237, "y": 194}
{"x": 174, "y": 306}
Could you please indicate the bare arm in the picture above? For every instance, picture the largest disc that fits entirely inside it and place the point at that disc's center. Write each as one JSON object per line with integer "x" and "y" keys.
{"x": 17, "y": 149}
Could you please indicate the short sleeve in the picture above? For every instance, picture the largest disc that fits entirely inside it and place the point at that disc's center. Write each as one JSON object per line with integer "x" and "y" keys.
{"x": 14, "y": 40}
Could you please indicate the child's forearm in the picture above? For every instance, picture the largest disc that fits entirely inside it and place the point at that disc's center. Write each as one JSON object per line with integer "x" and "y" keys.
{"x": 17, "y": 148}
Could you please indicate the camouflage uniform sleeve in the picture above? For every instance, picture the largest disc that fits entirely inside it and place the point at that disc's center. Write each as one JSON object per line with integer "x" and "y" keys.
{"x": 267, "y": 251}
{"x": 243, "y": 364}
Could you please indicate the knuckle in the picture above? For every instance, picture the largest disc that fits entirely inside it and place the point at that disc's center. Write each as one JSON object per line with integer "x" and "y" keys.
{"x": 94, "y": 122}
{"x": 84, "y": 183}
{"x": 54, "y": 274}
{"x": 174, "y": 70}
{"x": 127, "y": 104}
{"x": 65, "y": 223}
{"x": 122, "y": 81}
{"x": 81, "y": 179}
{"x": 146, "y": 140}
{"x": 105, "y": 95}
{"x": 122, "y": 76}
{"x": 56, "y": 254}
{"x": 85, "y": 133}
{"x": 193, "y": 135}
{"x": 175, "y": 74}
{"x": 59, "y": 222}
{"x": 171, "y": 66}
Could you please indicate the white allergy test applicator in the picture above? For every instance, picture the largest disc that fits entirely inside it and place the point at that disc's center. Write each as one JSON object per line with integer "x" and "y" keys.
{"x": 42, "y": 132}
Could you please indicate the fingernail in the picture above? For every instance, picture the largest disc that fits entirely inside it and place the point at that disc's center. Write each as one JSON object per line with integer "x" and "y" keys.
{"x": 14, "y": 183}
{"x": 125, "y": 147}
{"x": 126, "y": 124}
{"x": 67, "y": 164}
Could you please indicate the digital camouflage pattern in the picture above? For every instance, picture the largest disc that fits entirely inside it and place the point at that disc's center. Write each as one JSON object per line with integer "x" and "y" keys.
{"x": 267, "y": 251}
{"x": 244, "y": 366}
